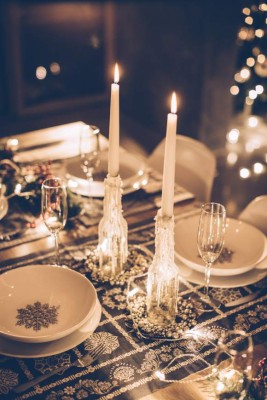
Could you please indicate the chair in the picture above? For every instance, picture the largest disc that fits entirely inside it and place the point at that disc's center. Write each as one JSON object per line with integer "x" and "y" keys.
{"x": 195, "y": 165}
{"x": 255, "y": 213}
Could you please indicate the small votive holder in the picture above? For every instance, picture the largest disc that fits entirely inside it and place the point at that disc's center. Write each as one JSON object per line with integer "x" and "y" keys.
{"x": 163, "y": 275}
{"x": 112, "y": 230}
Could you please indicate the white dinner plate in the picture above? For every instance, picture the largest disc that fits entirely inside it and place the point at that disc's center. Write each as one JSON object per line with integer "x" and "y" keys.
{"x": 247, "y": 244}
{"x": 132, "y": 172}
{"x": 42, "y": 303}
{"x": 248, "y": 278}
{"x": 11, "y": 348}
{"x": 3, "y": 207}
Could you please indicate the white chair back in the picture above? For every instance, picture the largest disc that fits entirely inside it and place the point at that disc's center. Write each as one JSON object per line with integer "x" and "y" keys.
{"x": 195, "y": 165}
{"x": 255, "y": 213}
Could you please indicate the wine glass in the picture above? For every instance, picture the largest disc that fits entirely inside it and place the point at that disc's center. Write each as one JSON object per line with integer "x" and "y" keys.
{"x": 89, "y": 150}
{"x": 54, "y": 208}
{"x": 210, "y": 241}
{"x": 233, "y": 366}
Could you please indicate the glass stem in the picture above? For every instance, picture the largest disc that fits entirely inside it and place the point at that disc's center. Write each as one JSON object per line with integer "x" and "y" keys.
{"x": 56, "y": 248}
{"x": 207, "y": 279}
{"x": 89, "y": 174}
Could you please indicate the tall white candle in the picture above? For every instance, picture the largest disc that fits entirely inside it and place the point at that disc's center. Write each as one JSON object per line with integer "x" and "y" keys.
{"x": 114, "y": 126}
{"x": 169, "y": 161}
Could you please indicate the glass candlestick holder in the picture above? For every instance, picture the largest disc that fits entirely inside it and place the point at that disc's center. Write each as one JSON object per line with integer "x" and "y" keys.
{"x": 112, "y": 230}
{"x": 163, "y": 275}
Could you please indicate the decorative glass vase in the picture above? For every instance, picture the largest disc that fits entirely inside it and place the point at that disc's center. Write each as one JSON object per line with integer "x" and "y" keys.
{"x": 112, "y": 230}
{"x": 163, "y": 275}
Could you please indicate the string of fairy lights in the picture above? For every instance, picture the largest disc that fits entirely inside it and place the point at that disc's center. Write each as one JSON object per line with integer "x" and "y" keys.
{"x": 250, "y": 79}
{"x": 248, "y": 133}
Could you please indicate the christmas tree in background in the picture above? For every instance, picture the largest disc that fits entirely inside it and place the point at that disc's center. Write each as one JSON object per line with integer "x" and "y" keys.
{"x": 250, "y": 80}
{"x": 248, "y": 128}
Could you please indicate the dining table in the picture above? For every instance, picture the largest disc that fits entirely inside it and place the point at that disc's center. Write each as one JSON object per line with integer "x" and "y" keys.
{"x": 127, "y": 368}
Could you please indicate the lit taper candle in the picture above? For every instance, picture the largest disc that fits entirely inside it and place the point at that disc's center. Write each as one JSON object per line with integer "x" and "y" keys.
{"x": 169, "y": 161}
{"x": 114, "y": 126}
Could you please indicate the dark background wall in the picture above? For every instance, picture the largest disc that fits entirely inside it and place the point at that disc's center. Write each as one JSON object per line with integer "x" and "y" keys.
{"x": 185, "y": 45}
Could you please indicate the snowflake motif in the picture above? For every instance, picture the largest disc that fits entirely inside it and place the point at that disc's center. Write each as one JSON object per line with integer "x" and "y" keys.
{"x": 123, "y": 372}
{"x": 213, "y": 332}
{"x": 8, "y": 379}
{"x": 110, "y": 341}
{"x": 98, "y": 387}
{"x": 150, "y": 362}
{"x": 262, "y": 310}
{"x": 252, "y": 313}
{"x": 244, "y": 321}
{"x": 165, "y": 348}
{"x": 82, "y": 394}
{"x": 226, "y": 295}
{"x": 37, "y": 316}
{"x": 115, "y": 298}
{"x": 52, "y": 396}
{"x": 177, "y": 352}
{"x": 166, "y": 357}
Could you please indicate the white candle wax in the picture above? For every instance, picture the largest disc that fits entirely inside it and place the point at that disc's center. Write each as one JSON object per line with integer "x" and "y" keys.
{"x": 169, "y": 166}
{"x": 114, "y": 127}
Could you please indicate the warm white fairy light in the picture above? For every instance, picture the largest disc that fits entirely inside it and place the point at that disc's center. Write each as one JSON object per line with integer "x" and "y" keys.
{"x": 234, "y": 90}
{"x": 249, "y": 20}
{"x": 252, "y": 145}
{"x": 246, "y": 11}
{"x": 233, "y": 136}
{"x": 160, "y": 375}
{"x": 263, "y": 7}
{"x": 232, "y": 158}
{"x": 261, "y": 58}
{"x": 258, "y": 168}
{"x": 253, "y": 121}
{"x": 259, "y": 89}
{"x": 250, "y": 62}
{"x": 245, "y": 73}
{"x": 256, "y": 51}
{"x": 243, "y": 34}
{"x": 238, "y": 77}
{"x": 244, "y": 173}
{"x": 252, "y": 94}
{"x": 259, "y": 33}
{"x": 249, "y": 101}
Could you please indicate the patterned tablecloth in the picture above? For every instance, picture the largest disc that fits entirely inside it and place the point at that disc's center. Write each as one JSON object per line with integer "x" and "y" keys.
{"x": 126, "y": 369}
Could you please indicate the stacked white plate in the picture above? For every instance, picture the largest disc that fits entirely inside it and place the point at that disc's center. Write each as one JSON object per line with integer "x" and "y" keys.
{"x": 132, "y": 172}
{"x": 45, "y": 310}
{"x": 246, "y": 265}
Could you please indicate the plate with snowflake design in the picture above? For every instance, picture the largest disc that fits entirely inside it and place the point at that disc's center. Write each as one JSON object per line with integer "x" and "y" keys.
{"x": 42, "y": 303}
{"x": 12, "y": 348}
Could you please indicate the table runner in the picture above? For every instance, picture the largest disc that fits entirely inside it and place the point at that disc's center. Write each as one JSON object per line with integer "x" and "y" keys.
{"x": 126, "y": 369}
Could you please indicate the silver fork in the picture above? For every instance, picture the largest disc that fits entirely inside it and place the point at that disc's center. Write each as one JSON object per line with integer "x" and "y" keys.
{"x": 83, "y": 361}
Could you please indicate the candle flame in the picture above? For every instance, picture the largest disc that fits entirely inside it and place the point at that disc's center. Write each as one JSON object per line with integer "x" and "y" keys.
{"x": 174, "y": 103}
{"x": 116, "y": 74}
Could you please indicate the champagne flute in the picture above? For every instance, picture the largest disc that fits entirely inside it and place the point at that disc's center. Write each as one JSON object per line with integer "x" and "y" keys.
{"x": 210, "y": 241}
{"x": 233, "y": 366}
{"x": 89, "y": 150}
{"x": 54, "y": 208}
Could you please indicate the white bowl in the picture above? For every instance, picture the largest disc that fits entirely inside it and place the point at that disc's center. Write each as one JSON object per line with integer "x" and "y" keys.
{"x": 247, "y": 243}
{"x": 41, "y": 303}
